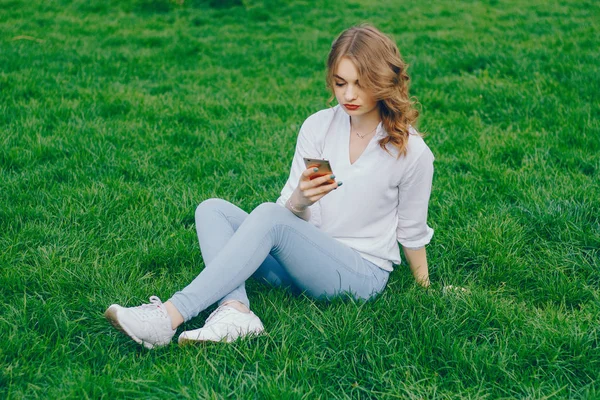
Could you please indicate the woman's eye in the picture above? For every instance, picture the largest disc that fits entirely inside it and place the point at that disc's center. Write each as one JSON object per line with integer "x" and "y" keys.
{"x": 339, "y": 84}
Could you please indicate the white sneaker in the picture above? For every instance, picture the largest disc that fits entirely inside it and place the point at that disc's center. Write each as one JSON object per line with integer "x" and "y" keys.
{"x": 225, "y": 324}
{"x": 148, "y": 324}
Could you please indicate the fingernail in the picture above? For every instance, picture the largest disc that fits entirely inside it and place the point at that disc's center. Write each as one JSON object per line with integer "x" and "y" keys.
{"x": 340, "y": 184}
{"x": 315, "y": 169}
{"x": 332, "y": 176}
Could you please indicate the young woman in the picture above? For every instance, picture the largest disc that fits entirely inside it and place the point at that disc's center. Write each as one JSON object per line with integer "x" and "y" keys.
{"x": 321, "y": 237}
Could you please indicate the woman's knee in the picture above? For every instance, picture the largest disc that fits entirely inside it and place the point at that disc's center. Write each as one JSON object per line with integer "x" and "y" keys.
{"x": 208, "y": 206}
{"x": 269, "y": 212}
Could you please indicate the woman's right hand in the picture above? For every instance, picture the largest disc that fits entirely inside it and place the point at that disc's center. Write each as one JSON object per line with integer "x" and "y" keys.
{"x": 309, "y": 191}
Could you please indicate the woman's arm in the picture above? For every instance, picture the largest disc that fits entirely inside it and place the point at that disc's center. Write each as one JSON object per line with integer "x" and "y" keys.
{"x": 413, "y": 204}
{"x": 417, "y": 261}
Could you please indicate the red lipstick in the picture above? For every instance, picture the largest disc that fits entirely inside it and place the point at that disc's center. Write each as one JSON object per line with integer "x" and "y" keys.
{"x": 351, "y": 107}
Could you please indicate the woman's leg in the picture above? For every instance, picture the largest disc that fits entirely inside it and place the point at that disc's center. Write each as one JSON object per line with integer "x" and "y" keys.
{"x": 315, "y": 262}
{"x": 299, "y": 253}
{"x": 154, "y": 324}
{"x": 216, "y": 222}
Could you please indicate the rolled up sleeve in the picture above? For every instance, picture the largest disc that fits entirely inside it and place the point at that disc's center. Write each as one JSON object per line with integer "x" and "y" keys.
{"x": 413, "y": 203}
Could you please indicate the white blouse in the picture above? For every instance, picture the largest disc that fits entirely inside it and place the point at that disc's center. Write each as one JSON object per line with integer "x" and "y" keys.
{"x": 383, "y": 199}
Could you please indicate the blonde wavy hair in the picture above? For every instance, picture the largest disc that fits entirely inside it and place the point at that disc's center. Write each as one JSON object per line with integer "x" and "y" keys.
{"x": 382, "y": 72}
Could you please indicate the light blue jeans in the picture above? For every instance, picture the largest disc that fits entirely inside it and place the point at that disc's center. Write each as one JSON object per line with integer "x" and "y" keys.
{"x": 273, "y": 244}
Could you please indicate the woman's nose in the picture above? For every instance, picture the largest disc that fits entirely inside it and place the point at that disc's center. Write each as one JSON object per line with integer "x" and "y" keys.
{"x": 350, "y": 93}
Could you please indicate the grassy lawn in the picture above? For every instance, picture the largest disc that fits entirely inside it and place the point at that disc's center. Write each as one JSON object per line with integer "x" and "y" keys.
{"x": 118, "y": 117}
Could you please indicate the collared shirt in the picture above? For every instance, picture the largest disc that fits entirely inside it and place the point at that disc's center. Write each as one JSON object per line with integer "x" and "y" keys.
{"x": 383, "y": 200}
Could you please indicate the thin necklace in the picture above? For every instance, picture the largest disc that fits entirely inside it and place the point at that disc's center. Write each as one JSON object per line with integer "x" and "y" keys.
{"x": 366, "y": 134}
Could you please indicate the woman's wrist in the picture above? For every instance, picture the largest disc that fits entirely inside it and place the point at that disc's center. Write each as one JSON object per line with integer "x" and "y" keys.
{"x": 295, "y": 209}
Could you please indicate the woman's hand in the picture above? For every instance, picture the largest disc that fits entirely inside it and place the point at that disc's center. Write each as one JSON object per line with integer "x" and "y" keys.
{"x": 312, "y": 190}
{"x": 309, "y": 191}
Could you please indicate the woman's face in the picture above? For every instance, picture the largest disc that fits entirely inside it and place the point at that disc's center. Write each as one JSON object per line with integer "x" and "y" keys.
{"x": 355, "y": 100}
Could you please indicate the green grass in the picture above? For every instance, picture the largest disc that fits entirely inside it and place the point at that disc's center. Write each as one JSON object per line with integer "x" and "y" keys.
{"x": 118, "y": 117}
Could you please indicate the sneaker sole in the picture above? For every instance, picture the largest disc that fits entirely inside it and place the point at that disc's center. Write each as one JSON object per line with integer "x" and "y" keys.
{"x": 111, "y": 315}
{"x": 190, "y": 342}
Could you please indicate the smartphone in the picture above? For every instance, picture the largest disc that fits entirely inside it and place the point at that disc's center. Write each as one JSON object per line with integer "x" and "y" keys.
{"x": 323, "y": 166}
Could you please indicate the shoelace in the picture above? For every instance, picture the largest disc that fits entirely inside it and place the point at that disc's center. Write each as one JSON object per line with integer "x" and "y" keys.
{"x": 154, "y": 309}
